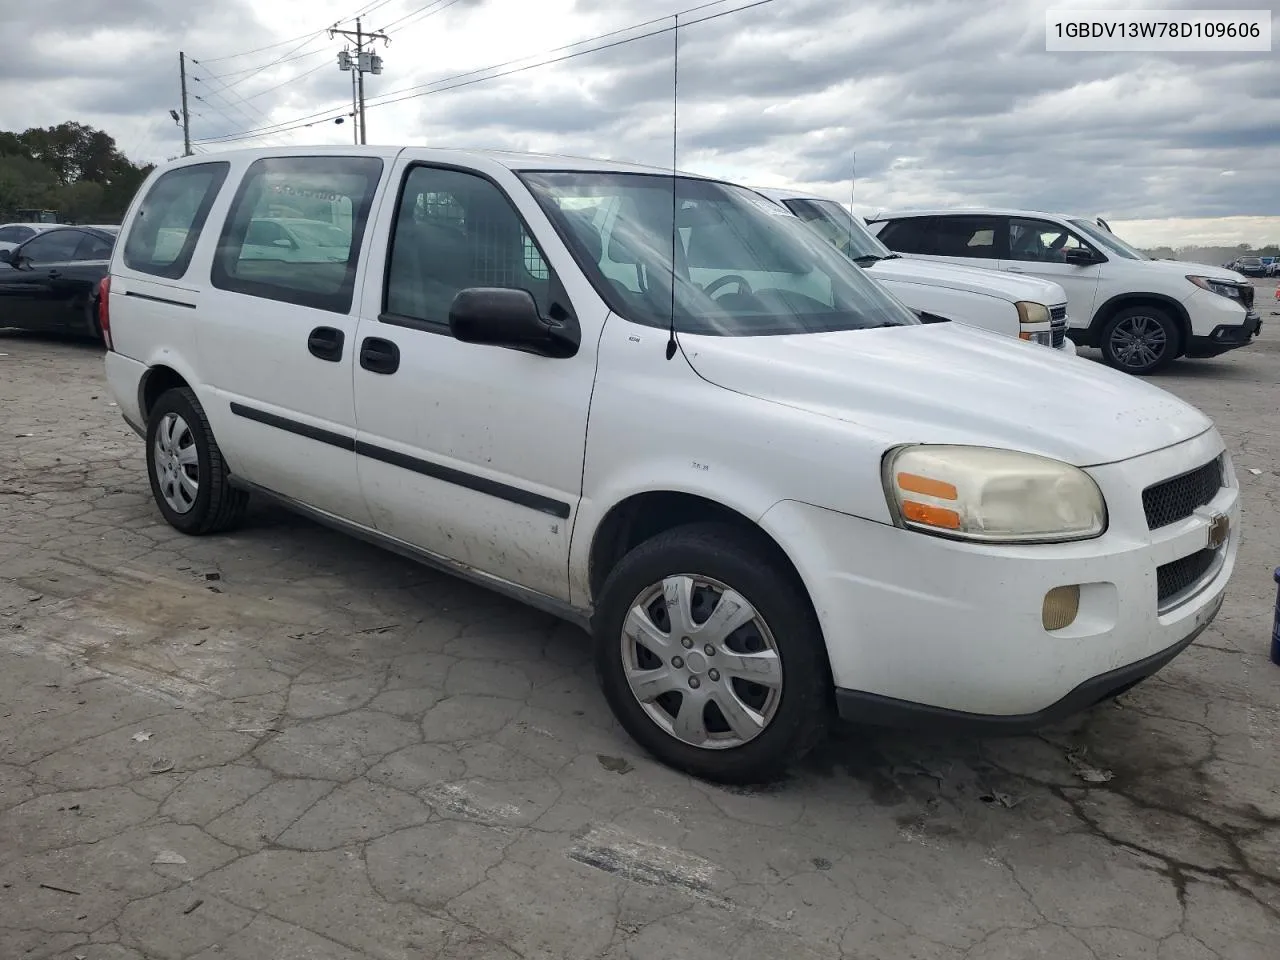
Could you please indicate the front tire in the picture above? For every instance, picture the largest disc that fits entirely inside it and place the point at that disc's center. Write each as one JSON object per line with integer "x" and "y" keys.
{"x": 710, "y": 655}
{"x": 1141, "y": 340}
{"x": 189, "y": 479}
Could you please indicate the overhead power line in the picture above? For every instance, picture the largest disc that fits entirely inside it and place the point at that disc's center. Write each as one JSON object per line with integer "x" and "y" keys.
{"x": 426, "y": 11}
{"x": 486, "y": 73}
{"x": 367, "y": 8}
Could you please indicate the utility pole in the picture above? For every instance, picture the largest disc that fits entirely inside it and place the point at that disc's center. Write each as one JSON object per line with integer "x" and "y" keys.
{"x": 361, "y": 63}
{"x": 186, "y": 116}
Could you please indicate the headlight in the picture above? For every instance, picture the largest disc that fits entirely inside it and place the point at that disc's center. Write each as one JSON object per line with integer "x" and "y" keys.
{"x": 1031, "y": 312}
{"x": 1217, "y": 286}
{"x": 991, "y": 495}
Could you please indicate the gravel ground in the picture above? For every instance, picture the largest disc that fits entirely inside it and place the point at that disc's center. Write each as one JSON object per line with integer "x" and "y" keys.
{"x": 282, "y": 743}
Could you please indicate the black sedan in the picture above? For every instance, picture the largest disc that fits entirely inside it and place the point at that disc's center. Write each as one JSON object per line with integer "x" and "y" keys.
{"x": 50, "y": 282}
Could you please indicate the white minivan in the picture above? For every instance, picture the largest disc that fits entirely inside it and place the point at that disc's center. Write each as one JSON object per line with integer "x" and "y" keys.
{"x": 1141, "y": 313}
{"x": 1024, "y": 307}
{"x": 664, "y": 410}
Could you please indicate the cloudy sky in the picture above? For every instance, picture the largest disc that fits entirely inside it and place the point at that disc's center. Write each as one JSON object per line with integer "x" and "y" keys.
{"x": 946, "y": 102}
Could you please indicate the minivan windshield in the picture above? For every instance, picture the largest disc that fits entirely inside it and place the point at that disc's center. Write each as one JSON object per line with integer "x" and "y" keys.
{"x": 742, "y": 266}
{"x": 835, "y": 225}
{"x": 1108, "y": 240}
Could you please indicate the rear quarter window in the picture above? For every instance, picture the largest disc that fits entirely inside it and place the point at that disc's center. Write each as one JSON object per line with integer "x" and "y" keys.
{"x": 295, "y": 230}
{"x": 167, "y": 226}
{"x": 908, "y": 236}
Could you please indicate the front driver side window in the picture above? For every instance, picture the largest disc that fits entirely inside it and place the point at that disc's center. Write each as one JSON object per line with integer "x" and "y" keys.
{"x": 456, "y": 230}
{"x": 56, "y": 246}
{"x": 1040, "y": 241}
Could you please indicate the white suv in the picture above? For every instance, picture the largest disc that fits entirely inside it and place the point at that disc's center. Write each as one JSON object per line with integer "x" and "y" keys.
{"x": 685, "y": 422}
{"x": 1141, "y": 313}
{"x": 1024, "y": 307}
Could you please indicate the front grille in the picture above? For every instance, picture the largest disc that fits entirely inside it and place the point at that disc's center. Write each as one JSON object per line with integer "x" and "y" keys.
{"x": 1176, "y": 499}
{"x": 1058, "y": 325}
{"x": 1173, "y": 578}
{"x": 1246, "y": 296}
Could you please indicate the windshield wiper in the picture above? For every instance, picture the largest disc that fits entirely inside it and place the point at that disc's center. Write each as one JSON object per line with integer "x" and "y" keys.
{"x": 870, "y": 259}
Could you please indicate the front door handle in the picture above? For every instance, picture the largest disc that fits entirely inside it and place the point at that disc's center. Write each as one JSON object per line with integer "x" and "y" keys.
{"x": 54, "y": 274}
{"x": 1014, "y": 270}
{"x": 326, "y": 343}
{"x": 379, "y": 356}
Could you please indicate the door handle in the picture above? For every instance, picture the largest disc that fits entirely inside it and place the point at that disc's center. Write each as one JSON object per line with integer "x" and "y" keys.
{"x": 379, "y": 356}
{"x": 54, "y": 274}
{"x": 1014, "y": 270}
{"x": 326, "y": 343}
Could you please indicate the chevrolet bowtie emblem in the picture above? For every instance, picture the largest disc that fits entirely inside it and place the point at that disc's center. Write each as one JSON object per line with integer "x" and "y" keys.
{"x": 1219, "y": 527}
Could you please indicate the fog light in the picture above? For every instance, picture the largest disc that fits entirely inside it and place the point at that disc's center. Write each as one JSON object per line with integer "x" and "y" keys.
{"x": 1061, "y": 604}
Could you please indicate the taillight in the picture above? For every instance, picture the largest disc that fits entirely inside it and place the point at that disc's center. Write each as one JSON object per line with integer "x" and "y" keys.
{"x": 104, "y": 310}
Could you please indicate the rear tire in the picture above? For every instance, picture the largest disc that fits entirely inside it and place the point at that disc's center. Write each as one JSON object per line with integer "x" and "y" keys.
{"x": 1141, "y": 340}
{"x": 189, "y": 479}
{"x": 731, "y": 704}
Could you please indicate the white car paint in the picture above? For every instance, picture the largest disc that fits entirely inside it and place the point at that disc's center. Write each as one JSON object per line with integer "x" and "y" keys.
{"x": 1207, "y": 322}
{"x": 975, "y": 297}
{"x": 465, "y": 455}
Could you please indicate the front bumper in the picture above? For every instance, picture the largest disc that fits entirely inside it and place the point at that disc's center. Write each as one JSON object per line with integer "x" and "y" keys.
{"x": 922, "y": 627}
{"x": 1226, "y": 336}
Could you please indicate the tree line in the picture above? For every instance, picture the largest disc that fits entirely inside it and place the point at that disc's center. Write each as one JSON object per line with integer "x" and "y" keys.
{"x": 72, "y": 169}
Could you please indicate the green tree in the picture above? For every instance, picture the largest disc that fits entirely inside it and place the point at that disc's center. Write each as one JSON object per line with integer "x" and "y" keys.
{"x": 71, "y": 168}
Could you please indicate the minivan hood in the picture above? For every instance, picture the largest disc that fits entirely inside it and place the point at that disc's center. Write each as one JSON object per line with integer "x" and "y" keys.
{"x": 952, "y": 383}
{"x": 970, "y": 280}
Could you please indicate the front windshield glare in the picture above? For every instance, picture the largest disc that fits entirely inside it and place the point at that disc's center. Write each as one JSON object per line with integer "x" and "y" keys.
{"x": 834, "y": 223}
{"x": 742, "y": 266}
{"x": 1108, "y": 240}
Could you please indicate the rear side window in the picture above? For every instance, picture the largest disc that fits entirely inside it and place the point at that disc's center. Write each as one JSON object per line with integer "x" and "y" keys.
{"x": 295, "y": 229}
{"x": 908, "y": 236}
{"x": 966, "y": 237}
{"x": 93, "y": 248}
{"x": 167, "y": 226}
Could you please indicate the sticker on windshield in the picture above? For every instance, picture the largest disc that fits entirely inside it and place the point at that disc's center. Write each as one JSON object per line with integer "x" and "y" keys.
{"x": 768, "y": 206}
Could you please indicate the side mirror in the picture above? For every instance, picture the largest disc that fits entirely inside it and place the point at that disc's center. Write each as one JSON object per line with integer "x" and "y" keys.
{"x": 1080, "y": 257}
{"x": 282, "y": 242}
{"x": 503, "y": 317}
{"x": 6, "y": 256}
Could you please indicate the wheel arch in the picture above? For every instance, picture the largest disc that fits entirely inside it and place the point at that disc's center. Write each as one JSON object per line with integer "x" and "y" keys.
{"x": 1121, "y": 301}
{"x": 153, "y": 383}
{"x": 642, "y": 516}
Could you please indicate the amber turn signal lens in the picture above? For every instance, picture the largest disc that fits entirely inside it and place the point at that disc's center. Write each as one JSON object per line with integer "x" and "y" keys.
{"x": 930, "y": 515}
{"x": 1061, "y": 605}
{"x": 914, "y": 483}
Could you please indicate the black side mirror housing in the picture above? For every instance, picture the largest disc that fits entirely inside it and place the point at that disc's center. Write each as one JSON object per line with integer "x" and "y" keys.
{"x": 6, "y": 256}
{"x": 1080, "y": 257}
{"x": 505, "y": 317}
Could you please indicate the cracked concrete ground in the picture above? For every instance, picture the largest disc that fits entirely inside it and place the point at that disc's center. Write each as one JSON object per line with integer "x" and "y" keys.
{"x": 282, "y": 744}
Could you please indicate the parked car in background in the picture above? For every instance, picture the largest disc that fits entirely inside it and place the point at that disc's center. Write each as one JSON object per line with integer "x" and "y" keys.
{"x": 50, "y": 281}
{"x": 1024, "y": 307}
{"x": 295, "y": 239}
{"x": 1250, "y": 266}
{"x": 666, "y": 410}
{"x": 12, "y": 234}
{"x": 1270, "y": 266}
{"x": 1141, "y": 313}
